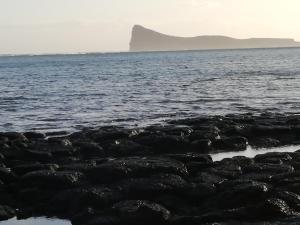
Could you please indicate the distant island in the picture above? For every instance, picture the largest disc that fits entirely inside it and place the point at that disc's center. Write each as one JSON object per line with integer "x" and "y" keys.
{"x": 144, "y": 39}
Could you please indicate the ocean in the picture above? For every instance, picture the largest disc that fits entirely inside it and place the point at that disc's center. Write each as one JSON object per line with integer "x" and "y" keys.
{"x": 68, "y": 92}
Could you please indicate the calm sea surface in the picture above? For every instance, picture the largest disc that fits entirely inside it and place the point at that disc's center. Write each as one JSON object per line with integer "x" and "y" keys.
{"x": 66, "y": 92}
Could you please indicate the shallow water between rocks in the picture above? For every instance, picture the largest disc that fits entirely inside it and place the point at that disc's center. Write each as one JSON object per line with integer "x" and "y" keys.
{"x": 36, "y": 221}
{"x": 251, "y": 152}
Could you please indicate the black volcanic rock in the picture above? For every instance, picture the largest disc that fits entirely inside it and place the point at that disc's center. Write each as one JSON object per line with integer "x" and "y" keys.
{"x": 6, "y": 213}
{"x": 155, "y": 175}
{"x": 144, "y": 39}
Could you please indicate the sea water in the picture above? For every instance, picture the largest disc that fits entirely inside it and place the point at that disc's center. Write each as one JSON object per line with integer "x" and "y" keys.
{"x": 35, "y": 221}
{"x": 68, "y": 92}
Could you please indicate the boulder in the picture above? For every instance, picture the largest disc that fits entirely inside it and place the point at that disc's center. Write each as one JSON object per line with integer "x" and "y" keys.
{"x": 162, "y": 143}
{"x": 272, "y": 169}
{"x": 201, "y": 145}
{"x": 138, "y": 211}
{"x": 34, "y": 135}
{"x": 50, "y": 179}
{"x": 108, "y": 134}
{"x": 191, "y": 157}
{"x": 230, "y": 144}
{"x": 35, "y": 155}
{"x": 134, "y": 167}
{"x": 239, "y": 193}
{"x": 90, "y": 150}
{"x": 264, "y": 142}
{"x": 75, "y": 200}
{"x": 6, "y": 212}
{"x": 6, "y": 175}
{"x": 148, "y": 188}
{"x": 272, "y": 209}
{"x": 101, "y": 220}
{"x": 126, "y": 148}
{"x": 273, "y": 158}
{"x": 22, "y": 169}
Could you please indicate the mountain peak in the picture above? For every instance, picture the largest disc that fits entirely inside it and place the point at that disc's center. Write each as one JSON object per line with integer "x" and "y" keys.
{"x": 138, "y": 27}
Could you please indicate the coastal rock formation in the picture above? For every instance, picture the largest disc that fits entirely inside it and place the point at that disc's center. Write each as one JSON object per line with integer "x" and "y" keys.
{"x": 144, "y": 39}
{"x": 155, "y": 175}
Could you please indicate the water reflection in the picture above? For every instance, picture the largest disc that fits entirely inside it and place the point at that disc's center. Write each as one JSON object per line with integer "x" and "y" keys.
{"x": 252, "y": 152}
{"x": 36, "y": 221}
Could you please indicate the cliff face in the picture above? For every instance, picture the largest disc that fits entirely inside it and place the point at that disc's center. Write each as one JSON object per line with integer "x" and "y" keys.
{"x": 144, "y": 39}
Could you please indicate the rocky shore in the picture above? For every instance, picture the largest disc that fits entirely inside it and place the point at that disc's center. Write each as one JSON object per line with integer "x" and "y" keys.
{"x": 155, "y": 175}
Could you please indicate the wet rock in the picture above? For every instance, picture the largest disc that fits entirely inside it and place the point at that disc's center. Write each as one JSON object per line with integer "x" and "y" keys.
{"x": 6, "y": 213}
{"x": 262, "y": 177}
{"x": 57, "y": 147}
{"x": 268, "y": 168}
{"x": 231, "y": 144}
{"x": 272, "y": 209}
{"x": 134, "y": 167}
{"x": 90, "y": 150}
{"x": 195, "y": 162}
{"x": 32, "y": 197}
{"x": 201, "y": 145}
{"x": 196, "y": 192}
{"x": 203, "y": 132}
{"x": 161, "y": 143}
{"x": 27, "y": 168}
{"x": 209, "y": 178}
{"x": 34, "y": 135}
{"x": 12, "y": 136}
{"x": 212, "y": 218}
{"x": 41, "y": 156}
{"x": 271, "y": 130}
{"x": 56, "y": 133}
{"x": 102, "y": 220}
{"x": 2, "y": 158}
{"x": 238, "y": 193}
{"x": 241, "y": 161}
{"x": 292, "y": 199}
{"x": 156, "y": 175}
{"x": 49, "y": 179}
{"x": 147, "y": 188}
{"x": 288, "y": 181}
{"x": 6, "y": 175}
{"x": 227, "y": 169}
{"x": 6, "y": 196}
{"x": 196, "y": 167}
{"x": 191, "y": 157}
{"x": 138, "y": 211}
{"x": 108, "y": 134}
{"x": 273, "y": 158}
{"x": 265, "y": 142}
{"x": 75, "y": 200}
{"x": 76, "y": 166}
{"x": 127, "y": 148}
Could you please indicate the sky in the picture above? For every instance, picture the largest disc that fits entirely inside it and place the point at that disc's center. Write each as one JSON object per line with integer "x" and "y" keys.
{"x": 73, "y": 26}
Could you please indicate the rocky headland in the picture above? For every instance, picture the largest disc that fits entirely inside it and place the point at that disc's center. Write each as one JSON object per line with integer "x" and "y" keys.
{"x": 144, "y": 39}
{"x": 155, "y": 175}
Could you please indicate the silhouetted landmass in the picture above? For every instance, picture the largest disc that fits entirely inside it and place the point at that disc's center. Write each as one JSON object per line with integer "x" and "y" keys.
{"x": 144, "y": 39}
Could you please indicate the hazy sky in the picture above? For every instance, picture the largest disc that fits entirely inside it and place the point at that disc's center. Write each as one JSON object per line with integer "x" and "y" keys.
{"x": 69, "y": 26}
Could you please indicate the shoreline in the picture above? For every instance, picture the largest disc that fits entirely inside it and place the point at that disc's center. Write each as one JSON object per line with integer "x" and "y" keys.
{"x": 155, "y": 175}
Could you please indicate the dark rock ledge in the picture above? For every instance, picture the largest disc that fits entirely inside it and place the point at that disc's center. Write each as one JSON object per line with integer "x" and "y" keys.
{"x": 156, "y": 175}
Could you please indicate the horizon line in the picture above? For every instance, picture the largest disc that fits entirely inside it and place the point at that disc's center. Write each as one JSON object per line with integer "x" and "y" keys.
{"x": 137, "y": 52}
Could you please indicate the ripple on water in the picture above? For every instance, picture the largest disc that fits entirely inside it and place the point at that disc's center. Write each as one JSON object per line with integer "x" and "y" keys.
{"x": 100, "y": 88}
